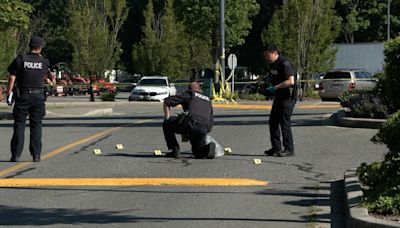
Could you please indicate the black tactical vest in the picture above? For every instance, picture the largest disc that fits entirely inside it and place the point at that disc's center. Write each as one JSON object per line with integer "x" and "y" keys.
{"x": 32, "y": 70}
{"x": 200, "y": 109}
{"x": 278, "y": 76}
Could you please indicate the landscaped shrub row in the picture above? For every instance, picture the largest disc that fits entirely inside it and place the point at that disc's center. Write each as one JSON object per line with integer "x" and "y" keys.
{"x": 383, "y": 177}
{"x": 365, "y": 104}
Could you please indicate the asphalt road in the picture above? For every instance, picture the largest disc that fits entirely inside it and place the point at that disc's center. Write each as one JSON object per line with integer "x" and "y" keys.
{"x": 303, "y": 191}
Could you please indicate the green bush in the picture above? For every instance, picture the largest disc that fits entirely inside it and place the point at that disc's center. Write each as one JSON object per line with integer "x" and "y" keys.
{"x": 311, "y": 93}
{"x": 253, "y": 96}
{"x": 383, "y": 177}
{"x": 389, "y": 134}
{"x": 364, "y": 104}
{"x": 390, "y": 82}
{"x": 108, "y": 96}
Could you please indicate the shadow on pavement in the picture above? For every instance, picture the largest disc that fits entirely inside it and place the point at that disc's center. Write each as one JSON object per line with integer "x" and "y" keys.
{"x": 50, "y": 216}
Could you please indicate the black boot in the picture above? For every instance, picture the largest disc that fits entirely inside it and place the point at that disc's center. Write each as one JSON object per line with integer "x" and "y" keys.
{"x": 36, "y": 158}
{"x": 272, "y": 152}
{"x": 175, "y": 153}
{"x": 211, "y": 150}
{"x": 285, "y": 153}
{"x": 14, "y": 159}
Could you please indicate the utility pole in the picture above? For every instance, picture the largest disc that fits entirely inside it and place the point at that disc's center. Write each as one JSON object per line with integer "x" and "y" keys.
{"x": 222, "y": 31}
{"x": 388, "y": 19}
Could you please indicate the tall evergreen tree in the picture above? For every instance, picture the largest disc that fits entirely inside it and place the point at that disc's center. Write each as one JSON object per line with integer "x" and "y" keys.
{"x": 93, "y": 33}
{"x": 304, "y": 31}
{"x": 165, "y": 47}
{"x": 145, "y": 54}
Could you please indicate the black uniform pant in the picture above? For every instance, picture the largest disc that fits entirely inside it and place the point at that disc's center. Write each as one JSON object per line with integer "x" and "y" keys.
{"x": 279, "y": 121}
{"x": 197, "y": 137}
{"x": 32, "y": 104}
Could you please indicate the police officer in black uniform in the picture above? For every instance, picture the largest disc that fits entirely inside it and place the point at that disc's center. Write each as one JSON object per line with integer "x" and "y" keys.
{"x": 27, "y": 73}
{"x": 284, "y": 87}
{"x": 195, "y": 123}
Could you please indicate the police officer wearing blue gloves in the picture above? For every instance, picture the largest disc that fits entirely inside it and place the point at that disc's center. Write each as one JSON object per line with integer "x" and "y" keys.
{"x": 196, "y": 122}
{"x": 27, "y": 72}
{"x": 284, "y": 87}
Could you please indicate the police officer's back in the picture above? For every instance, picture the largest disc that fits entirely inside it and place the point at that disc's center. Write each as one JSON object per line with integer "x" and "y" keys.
{"x": 196, "y": 122}
{"x": 27, "y": 72}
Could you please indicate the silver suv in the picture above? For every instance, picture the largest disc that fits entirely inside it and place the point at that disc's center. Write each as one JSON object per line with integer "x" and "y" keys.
{"x": 336, "y": 82}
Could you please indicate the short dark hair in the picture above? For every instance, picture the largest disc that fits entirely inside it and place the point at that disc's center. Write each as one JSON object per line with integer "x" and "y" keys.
{"x": 270, "y": 48}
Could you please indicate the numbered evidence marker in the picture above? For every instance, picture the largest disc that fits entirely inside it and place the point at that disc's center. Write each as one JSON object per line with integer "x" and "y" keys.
{"x": 97, "y": 151}
{"x": 157, "y": 152}
{"x": 227, "y": 150}
{"x": 257, "y": 161}
{"x": 119, "y": 146}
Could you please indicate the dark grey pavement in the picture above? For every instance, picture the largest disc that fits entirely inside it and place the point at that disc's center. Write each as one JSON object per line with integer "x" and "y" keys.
{"x": 304, "y": 191}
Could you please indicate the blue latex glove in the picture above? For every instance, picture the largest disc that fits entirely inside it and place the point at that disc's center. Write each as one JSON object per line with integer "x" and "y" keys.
{"x": 271, "y": 89}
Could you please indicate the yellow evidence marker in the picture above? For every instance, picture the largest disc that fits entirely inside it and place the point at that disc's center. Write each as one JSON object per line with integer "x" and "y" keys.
{"x": 257, "y": 161}
{"x": 119, "y": 146}
{"x": 97, "y": 151}
{"x": 227, "y": 150}
{"x": 157, "y": 152}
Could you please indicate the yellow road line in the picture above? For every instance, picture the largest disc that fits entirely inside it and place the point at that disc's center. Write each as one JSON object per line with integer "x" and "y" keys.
{"x": 67, "y": 147}
{"x": 26, "y": 182}
{"x": 318, "y": 106}
{"x": 240, "y": 106}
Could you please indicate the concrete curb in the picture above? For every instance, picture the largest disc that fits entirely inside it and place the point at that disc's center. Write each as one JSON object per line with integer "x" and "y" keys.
{"x": 343, "y": 121}
{"x": 6, "y": 116}
{"x": 356, "y": 216}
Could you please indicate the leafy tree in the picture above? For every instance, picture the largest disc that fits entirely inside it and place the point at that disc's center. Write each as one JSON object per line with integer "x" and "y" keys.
{"x": 362, "y": 17}
{"x": 201, "y": 19}
{"x": 93, "y": 33}
{"x": 52, "y": 25}
{"x": 304, "y": 31}
{"x": 14, "y": 15}
{"x": 354, "y": 18}
{"x": 8, "y": 46}
{"x": 165, "y": 47}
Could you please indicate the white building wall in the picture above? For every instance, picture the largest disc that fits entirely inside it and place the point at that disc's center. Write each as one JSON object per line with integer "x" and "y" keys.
{"x": 368, "y": 56}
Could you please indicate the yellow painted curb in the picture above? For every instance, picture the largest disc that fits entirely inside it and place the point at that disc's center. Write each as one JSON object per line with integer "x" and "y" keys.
{"x": 29, "y": 182}
{"x": 239, "y": 106}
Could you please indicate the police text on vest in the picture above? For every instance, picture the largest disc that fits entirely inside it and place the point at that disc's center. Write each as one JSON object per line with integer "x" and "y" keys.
{"x": 33, "y": 65}
{"x": 201, "y": 96}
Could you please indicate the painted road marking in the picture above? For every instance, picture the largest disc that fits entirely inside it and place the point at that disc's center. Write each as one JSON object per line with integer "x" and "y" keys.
{"x": 241, "y": 106}
{"x": 68, "y": 147}
{"x": 26, "y": 182}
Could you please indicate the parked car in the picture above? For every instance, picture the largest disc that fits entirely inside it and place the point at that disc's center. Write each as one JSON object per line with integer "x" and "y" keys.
{"x": 336, "y": 82}
{"x": 155, "y": 88}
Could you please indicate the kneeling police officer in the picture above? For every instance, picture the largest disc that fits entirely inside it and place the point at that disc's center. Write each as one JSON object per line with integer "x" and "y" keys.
{"x": 195, "y": 122}
{"x": 28, "y": 72}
